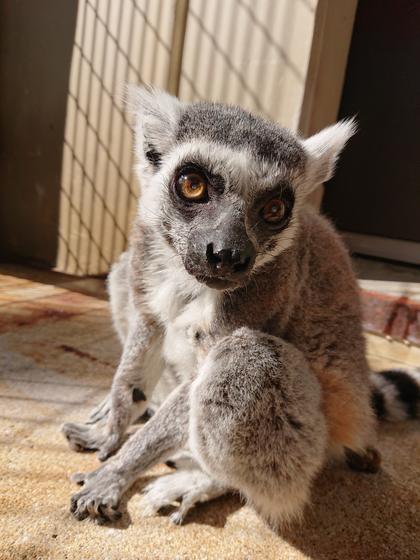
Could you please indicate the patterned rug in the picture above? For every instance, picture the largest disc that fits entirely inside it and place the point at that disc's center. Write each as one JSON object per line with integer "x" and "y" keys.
{"x": 395, "y": 317}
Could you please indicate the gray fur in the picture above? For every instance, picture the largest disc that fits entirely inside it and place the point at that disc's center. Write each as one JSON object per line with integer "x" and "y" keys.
{"x": 259, "y": 380}
{"x": 232, "y": 126}
{"x": 256, "y": 422}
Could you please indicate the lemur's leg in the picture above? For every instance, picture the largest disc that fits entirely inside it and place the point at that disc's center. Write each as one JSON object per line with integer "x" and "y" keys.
{"x": 165, "y": 433}
{"x": 256, "y": 422}
{"x": 253, "y": 421}
{"x": 190, "y": 486}
{"x": 182, "y": 460}
{"x": 137, "y": 374}
{"x": 347, "y": 407}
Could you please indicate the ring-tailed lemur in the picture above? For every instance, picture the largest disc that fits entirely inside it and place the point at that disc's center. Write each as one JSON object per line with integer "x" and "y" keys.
{"x": 239, "y": 317}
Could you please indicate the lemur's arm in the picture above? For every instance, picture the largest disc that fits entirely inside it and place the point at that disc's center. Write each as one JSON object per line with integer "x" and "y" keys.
{"x": 165, "y": 433}
{"x": 134, "y": 380}
{"x": 136, "y": 376}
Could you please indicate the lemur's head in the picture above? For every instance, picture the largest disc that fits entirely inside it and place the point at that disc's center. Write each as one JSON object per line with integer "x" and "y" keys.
{"x": 223, "y": 186}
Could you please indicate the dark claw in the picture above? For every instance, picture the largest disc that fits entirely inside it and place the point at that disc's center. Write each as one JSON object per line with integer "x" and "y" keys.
{"x": 103, "y": 456}
{"x": 80, "y": 515}
{"x": 115, "y": 514}
{"x": 108, "y": 514}
{"x": 368, "y": 462}
{"x": 102, "y": 512}
{"x": 79, "y": 478}
{"x": 73, "y": 505}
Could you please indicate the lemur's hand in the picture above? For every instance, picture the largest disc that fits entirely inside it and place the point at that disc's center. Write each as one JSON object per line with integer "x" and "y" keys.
{"x": 100, "y": 495}
{"x": 93, "y": 437}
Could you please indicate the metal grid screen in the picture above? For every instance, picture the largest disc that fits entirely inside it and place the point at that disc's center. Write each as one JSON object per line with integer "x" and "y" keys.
{"x": 117, "y": 41}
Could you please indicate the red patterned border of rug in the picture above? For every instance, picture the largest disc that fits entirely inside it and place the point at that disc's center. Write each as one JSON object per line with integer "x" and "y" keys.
{"x": 396, "y": 317}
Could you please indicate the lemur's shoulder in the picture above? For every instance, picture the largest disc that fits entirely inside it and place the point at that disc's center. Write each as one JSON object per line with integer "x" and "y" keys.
{"x": 326, "y": 252}
{"x": 319, "y": 228}
{"x": 328, "y": 287}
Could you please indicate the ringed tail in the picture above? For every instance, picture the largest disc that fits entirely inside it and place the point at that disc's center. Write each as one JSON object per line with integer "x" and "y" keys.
{"x": 396, "y": 394}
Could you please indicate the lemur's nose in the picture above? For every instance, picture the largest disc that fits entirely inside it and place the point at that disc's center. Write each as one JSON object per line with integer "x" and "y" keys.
{"x": 224, "y": 261}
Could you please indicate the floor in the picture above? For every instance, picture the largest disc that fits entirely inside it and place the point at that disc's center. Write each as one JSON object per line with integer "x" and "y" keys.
{"x": 57, "y": 357}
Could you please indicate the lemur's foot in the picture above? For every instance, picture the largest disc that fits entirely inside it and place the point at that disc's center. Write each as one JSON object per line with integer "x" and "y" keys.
{"x": 92, "y": 437}
{"x": 189, "y": 486}
{"x": 368, "y": 462}
{"x": 100, "y": 496}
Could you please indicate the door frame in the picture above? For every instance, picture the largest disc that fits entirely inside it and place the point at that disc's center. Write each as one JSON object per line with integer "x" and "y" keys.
{"x": 333, "y": 30}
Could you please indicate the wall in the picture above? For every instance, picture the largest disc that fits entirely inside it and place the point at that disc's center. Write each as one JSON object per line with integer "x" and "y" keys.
{"x": 254, "y": 54}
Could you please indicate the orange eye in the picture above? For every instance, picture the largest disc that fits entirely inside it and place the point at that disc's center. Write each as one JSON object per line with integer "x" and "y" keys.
{"x": 192, "y": 186}
{"x": 273, "y": 211}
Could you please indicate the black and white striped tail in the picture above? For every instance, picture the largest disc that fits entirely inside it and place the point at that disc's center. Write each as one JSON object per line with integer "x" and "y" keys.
{"x": 396, "y": 394}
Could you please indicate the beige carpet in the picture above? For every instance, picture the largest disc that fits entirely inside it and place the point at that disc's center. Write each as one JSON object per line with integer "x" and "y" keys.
{"x": 57, "y": 356}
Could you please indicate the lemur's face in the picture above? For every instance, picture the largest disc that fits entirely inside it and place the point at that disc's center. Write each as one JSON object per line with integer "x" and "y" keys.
{"x": 223, "y": 219}
{"x": 222, "y": 186}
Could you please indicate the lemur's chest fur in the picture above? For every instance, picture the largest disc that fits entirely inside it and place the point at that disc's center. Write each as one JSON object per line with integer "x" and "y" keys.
{"x": 184, "y": 308}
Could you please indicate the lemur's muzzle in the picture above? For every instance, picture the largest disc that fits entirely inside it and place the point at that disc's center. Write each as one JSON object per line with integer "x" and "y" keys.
{"x": 224, "y": 251}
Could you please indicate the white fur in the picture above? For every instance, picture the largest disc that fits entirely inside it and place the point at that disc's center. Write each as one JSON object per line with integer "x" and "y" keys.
{"x": 283, "y": 242}
{"x": 156, "y": 119}
{"x": 279, "y": 501}
{"x": 168, "y": 289}
{"x": 323, "y": 150}
{"x": 179, "y": 349}
{"x": 415, "y": 374}
{"x": 214, "y": 157}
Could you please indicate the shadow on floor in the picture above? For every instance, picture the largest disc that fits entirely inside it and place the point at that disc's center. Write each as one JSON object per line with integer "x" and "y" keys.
{"x": 358, "y": 517}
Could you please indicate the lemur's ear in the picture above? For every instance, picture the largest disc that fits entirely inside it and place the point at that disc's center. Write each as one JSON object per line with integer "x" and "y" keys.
{"x": 156, "y": 116}
{"x": 324, "y": 148}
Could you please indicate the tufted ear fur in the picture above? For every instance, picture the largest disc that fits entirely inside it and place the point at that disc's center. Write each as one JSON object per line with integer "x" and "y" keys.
{"x": 156, "y": 116}
{"x": 323, "y": 150}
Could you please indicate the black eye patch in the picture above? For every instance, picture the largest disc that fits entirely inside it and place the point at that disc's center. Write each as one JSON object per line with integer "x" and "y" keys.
{"x": 286, "y": 195}
{"x": 154, "y": 157}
